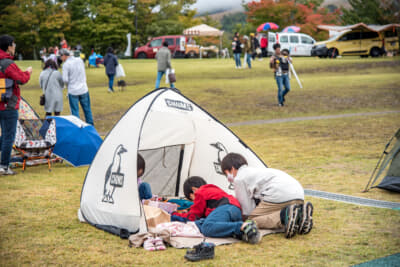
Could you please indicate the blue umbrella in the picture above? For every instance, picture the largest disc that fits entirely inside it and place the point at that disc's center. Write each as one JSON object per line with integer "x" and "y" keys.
{"x": 77, "y": 141}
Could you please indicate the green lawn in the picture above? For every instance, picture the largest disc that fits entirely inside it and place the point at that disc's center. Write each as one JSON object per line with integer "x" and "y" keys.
{"x": 38, "y": 209}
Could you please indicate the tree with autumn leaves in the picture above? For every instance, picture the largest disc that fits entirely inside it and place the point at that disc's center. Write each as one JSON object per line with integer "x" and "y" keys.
{"x": 286, "y": 13}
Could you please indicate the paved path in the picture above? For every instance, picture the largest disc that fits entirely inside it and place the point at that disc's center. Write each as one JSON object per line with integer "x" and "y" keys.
{"x": 324, "y": 117}
{"x": 352, "y": 200}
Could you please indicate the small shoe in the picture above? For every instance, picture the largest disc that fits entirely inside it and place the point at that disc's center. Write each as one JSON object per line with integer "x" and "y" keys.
{"x": 7, "y": 171}
{"x": 110, "y": 90}
{"x": 280, "y": 104}
{"x": 305, "y": 218}
{"x": 250, "y": 233}
{"x": 159, "y": 244}
{"x": 148, "y": 244}
{"x": 202, "y": 251}
{"x": 291, "y": 219}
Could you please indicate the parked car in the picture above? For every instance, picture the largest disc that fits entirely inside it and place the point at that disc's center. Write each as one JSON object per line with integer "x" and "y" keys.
{"x": 298, "y": 44}
{"x": 356, "y": 42}
{"x": 176, "y": 43}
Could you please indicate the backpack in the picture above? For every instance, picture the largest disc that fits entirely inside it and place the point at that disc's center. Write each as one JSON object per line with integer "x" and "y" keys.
{"x": 7, "y": 86}
{"x": 284, "y": 64}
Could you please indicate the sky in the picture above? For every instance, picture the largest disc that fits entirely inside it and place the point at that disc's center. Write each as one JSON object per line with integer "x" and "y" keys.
{"x": 204, "y": 6}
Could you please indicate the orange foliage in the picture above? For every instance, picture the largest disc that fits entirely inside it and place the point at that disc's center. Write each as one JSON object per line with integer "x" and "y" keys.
{"x": 286, "y": 13}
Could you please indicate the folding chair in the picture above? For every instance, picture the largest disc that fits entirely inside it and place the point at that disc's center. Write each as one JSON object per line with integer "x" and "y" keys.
{"x": 35, "y": 139}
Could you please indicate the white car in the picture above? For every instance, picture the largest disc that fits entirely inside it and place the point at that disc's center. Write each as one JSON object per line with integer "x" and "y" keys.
{"x": 298, "y": 44}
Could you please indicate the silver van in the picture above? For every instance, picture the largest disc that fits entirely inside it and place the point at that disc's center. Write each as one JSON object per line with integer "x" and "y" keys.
{"x": 298, "y": 44}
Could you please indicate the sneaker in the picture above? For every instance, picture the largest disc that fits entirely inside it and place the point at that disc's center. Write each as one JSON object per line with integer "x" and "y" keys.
{"x": 7, "y": 171}
{"x": 110, "y": 90}
{"x": 202, "y": 251}
{"x": 291, "y": 226}
{"x": 305, "y": 218}
{"x": 250, "y": 233}
{"x": 280, "y": 104}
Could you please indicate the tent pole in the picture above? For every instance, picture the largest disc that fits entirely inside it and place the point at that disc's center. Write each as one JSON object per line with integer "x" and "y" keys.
{"x": 178, "y": 177}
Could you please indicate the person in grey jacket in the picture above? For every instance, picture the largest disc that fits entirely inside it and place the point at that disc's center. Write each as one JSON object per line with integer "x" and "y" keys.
{"x": 52, "y": 84}
{"x": 163, "y": 57}
{"x": 270, "y": 197}
{"x": 111, "y": 63}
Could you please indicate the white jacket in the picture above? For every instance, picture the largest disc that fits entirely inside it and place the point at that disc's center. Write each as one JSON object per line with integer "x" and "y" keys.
{"x": 265, "y": 184}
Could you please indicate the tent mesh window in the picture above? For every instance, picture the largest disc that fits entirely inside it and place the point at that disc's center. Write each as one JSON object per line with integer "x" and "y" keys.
{"x": 161, "y": 172}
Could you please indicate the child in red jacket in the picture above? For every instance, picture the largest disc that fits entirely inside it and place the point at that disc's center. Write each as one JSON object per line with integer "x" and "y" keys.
{"x": 216, "y": 213}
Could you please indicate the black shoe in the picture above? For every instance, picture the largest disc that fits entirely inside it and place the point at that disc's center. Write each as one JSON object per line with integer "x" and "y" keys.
{"x": 291, "y": 221}
{"x": 305, "y": 218}
{"x": 202, "y": 251}
{"x": 250, "y": 233}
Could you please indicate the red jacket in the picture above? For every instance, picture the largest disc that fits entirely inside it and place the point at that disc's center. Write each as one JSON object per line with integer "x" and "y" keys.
{"x": 264, "y": 42}
{"x": 14, "y": 73}
{"x": 206, "y": 199}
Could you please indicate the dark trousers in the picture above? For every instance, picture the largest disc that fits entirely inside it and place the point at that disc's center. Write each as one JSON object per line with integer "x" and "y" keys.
{"x": 8, "y": 123}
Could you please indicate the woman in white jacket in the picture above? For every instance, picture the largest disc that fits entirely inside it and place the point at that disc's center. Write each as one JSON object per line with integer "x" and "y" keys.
{"x": 270, "y": 197}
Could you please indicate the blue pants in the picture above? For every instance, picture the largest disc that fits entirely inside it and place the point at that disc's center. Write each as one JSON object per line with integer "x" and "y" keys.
{"x": 159, "y": 76}
{"x": 8, "y": 123}
{"x": 248, "y": 60}
{"x": 111, "y": 81}
{"x": 84, "y": 99}
{"x": 145, "y": 191}
{"x": 224, "y": 221}
{"x": 282, "y": 81}
{"x": 237, "y": 59}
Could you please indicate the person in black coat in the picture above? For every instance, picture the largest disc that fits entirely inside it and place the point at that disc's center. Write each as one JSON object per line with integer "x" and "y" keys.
{"x": 111, "y": 63}
{"x": 237, "y": 51}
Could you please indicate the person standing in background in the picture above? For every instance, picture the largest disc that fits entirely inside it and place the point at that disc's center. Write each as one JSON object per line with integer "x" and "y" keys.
{"x": 52, "y": 84}
{"x": 111, "y": 63}
{"x": 163, "y": 57}
{"x": 237, "y": 51}
{"x": 247, "y": 50}
{"x": 74, "y": 76}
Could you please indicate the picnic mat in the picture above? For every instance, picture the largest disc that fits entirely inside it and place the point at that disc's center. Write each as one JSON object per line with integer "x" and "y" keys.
{"x": 190, "y": 242}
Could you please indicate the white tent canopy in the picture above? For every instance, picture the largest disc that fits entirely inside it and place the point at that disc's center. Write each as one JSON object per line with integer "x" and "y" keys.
{"x": 203, "y": 30}
{"x": 177, "y": 139}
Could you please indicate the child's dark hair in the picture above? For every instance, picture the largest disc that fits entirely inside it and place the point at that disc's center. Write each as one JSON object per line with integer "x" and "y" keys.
{"x": 165, "y": 43}
{"x": 50, "y": 64}
{"x": 232, "y": 160}
{"x": 277, "y": 45}
{"x": 141, "y": 165}
{"x": 194, "y": 181}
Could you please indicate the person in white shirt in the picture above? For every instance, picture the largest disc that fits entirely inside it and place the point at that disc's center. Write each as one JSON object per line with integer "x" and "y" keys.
{"x": 270, "y": 197}
{"x": 74, "y": 75}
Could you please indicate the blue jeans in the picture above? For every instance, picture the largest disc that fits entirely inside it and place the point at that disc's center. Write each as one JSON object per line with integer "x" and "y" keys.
{"x": 237, "y": 59}
{"x": 84, "y": 99}
{"x": 282, "y": 81}
{"x": 224, "y": 221}
{"x": 159, "y": 76}
{"x": 248, "y": 59}
{"x": 111, "y": 81}
{"x": 145, "y": 191}
{"x": 8, "y": 123}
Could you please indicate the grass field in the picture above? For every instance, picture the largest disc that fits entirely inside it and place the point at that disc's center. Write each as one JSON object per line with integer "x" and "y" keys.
{"x": 38, "y": 209}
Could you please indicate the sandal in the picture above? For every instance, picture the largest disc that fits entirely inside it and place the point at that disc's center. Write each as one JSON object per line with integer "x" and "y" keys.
{"x": 148, "y": 244}
{"x": 159, "y": 244}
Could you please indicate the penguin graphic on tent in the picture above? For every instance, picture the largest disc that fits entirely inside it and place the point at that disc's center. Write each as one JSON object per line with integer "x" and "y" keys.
{"x": 114, "y": 177}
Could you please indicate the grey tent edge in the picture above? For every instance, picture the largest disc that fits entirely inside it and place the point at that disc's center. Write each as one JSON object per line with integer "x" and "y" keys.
{"x": 391, "y": 181}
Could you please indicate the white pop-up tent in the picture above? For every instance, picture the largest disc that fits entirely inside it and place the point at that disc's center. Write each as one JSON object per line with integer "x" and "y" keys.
{"x": 177, "y": 139}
